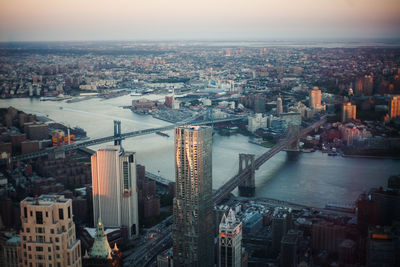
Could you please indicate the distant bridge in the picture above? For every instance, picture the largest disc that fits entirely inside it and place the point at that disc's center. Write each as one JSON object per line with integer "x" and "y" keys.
{"x": 116, "y": 138}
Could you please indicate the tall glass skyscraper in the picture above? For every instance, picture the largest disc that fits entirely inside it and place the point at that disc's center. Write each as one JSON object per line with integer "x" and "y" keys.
{"x": 115, "y": 198}
{"x": 193, "y": 232}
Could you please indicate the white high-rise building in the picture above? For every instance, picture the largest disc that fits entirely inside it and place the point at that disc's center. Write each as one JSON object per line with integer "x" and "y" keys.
{"x": 230, "y": 241}
{"x": 115, "y": 198}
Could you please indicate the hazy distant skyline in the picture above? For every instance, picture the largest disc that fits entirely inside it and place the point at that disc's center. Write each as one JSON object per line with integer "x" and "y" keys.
{"x": 80, "y": 20}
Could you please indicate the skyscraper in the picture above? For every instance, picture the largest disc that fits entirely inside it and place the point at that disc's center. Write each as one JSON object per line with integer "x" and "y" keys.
{"x": 364, "y": 85}
{"x": 279, "y": 108}
{"x": 114, "y": 189}
{"x": 193, "y": 237}
{"x": 315, "y": 98}
{"x": 48, "y": 233}
{"x": 348, "y": 112}
{"x": 230, "y": 241}
{"x": 394, "y": 107}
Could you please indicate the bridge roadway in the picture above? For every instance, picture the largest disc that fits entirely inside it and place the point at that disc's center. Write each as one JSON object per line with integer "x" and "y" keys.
{"x": 143, "y": 259}
{"x": 157, "y": 178}
{"x": 235, "y": 181}
{"x": 112, "y": 138}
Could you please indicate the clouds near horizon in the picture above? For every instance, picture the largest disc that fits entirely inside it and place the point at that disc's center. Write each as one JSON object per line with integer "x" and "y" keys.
{"x": 58, "y": 20}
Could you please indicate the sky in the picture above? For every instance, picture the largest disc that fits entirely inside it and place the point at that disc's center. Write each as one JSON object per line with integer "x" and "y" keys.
{"x": 80, "y": 20}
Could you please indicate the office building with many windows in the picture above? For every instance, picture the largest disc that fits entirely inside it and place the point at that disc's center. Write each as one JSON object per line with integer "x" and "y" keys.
{"x": 48, "y": 233}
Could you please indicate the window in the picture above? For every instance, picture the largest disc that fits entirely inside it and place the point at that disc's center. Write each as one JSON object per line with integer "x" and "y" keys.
{"x": 47, "y": 214}
{"x": 31, "y": 213}
{"x": 126, "y": 176}
{"x": 49, "y": 250}
{"x": 28, "y": 230}
{"x": 69, "y": 212}
{"x": 39, "y": 248}
{"x": 52, "y": 231}
{"x": 61, "y": 214}
{"x": 57, "y": 239}
{"x": 40, "y": 239}
{"x": 24, "y": 238}
{"x": 57, "y": 247}
{"x": 39, "y": 217}
{"x": 50, "y": 257}
{"x": 25, "y": 212}
{"x": 57, "y": 256}
{"x": 40, "y": 230}
{"x": 29, "y": 248}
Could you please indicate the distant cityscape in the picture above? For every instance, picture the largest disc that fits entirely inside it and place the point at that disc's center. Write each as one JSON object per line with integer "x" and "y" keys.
{"x": 81, "y": 195}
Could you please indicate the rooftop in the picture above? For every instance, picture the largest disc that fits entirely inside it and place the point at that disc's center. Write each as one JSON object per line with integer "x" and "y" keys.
{"x": 46, "y": 200}
{"x": 14, "y": 239}
{"x": 194, "y": 127}
{"x": 92, "y": 231}
{"x": 289, "y": 239}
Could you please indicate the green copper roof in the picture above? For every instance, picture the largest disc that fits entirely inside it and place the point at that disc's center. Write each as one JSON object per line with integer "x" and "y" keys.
{"x": 101, "y": 247}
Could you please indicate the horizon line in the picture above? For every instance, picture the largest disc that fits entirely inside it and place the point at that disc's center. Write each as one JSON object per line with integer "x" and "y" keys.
{"x": 322, "y": 39}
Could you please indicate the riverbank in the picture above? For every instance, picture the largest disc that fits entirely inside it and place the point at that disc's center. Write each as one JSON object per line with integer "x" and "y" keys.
{"x": 277, "y": 202}
{"x": 370, "y": 157}
{"x": 262, "y": 143}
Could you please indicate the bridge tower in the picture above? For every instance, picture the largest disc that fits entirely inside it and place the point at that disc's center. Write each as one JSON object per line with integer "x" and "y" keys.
{"x": 117, "y": 133}
{"x": 247, "y": 188}
{"x": 293, "y": 132}
{"x": 210, "y": 115}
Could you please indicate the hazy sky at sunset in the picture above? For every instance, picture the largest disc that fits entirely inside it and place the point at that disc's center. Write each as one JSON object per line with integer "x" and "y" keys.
{"x": 55, "y": 20}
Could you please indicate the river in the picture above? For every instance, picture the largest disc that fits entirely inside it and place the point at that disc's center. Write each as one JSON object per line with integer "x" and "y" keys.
{"x": 313, "y": 179}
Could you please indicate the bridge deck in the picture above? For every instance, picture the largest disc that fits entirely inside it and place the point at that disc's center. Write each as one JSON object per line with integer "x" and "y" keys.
{"x": 236, "y": 180}
{"x": 112, "y": 138}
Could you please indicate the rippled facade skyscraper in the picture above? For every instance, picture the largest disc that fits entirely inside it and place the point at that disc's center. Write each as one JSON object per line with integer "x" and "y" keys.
{"x": 193, "y": 232}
